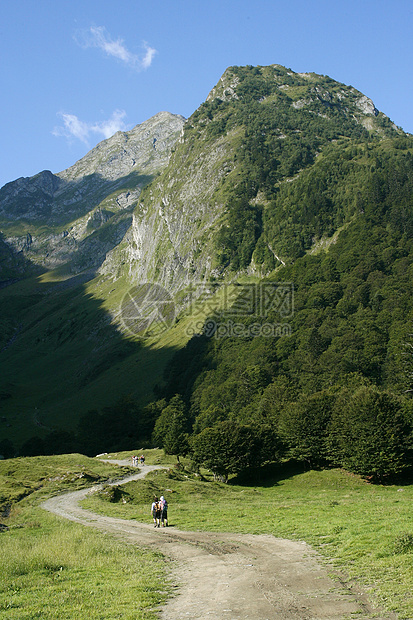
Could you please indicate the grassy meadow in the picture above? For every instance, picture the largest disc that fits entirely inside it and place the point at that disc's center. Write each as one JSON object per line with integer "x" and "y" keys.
{"x": 52, "y": 568}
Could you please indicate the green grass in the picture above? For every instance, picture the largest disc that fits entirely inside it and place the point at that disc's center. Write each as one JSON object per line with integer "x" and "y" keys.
{"x": 63, "y": 353}
{"x": 55, "y": 569}
{"x": 364, "y": 530}
{"x": 32, "y": 479}
{"x": 51, "y": 568}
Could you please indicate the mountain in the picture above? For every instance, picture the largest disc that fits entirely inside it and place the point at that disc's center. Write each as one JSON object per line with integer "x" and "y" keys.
{"x": 285, "y": 189}
{"x": 60, "y": 219}
{"x": 258, "y": 128}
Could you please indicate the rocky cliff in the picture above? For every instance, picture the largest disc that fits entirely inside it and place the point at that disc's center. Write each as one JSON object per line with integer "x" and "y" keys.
{"x": 57, "y": 219}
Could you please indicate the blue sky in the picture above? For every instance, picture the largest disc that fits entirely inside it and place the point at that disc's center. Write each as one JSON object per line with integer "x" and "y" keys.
{"x": 72, "y": 72}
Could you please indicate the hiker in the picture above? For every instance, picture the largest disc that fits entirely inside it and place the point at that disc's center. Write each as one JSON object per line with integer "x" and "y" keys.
{"x": 142, "y": 460}
{"x": 156, "y": 512}
{"x": 164, "y": 511}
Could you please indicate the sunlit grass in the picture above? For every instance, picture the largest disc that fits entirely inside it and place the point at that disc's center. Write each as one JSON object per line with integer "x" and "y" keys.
{"x": 38, "y": 476}
{"x": 63, "y": 570}
{"x": 361, "y": 529}
{"x": 51, "y": 568}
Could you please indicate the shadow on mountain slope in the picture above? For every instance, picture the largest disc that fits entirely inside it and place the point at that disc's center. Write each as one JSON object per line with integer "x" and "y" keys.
{"x": 13, "y": 265}
{"x": 62, "y": 356}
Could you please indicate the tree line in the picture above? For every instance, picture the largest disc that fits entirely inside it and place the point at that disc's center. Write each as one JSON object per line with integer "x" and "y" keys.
{"x": 365, "y": 430}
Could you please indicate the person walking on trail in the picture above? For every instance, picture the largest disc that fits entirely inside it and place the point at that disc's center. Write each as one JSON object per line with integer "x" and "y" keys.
{"x": 164, "y": 511}
{"x": 156, "y": 512}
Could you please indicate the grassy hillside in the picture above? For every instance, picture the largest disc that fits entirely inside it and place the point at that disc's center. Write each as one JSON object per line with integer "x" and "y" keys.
{"x": 53, "y": 568}
{"x": 66, "y": 354}
{"x": 62, "y": 356}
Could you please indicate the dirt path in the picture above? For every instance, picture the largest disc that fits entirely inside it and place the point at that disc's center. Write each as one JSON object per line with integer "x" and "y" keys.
{"x": 230, "y": 576}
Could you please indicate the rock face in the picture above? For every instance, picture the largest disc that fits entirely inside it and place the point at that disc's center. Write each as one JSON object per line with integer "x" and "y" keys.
{"x": 30, "y": 198}
{"x": 145, "y": 149}
{"x": 74, "y": 205}
{"x": 170, "y": 240}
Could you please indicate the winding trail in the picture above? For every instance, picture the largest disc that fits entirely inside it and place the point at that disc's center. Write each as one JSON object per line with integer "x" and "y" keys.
{"x": 230, "y": 576}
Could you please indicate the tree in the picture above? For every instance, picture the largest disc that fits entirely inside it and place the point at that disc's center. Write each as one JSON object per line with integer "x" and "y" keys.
{"x": 33, "y": 447}
{"x": 369, "y": 433}
{"x": 60, "y": 442}
{"x": 230, "y": 448}
{"x": 7, "y": 449}
{"x": 116, "y": 427}
{"x": 171, "y": 428}
{"x": 303, "y": 426}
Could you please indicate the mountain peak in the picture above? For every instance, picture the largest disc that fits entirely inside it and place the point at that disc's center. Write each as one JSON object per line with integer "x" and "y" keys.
{"x": 320, "y": 94}
{"x": 146, "y": 148}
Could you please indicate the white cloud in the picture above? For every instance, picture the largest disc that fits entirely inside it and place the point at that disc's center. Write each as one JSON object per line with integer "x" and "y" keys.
{"x": 112, "y": 125}
{"x": 81, "y": 130}
{"x": 147, "y": 59}
{"x": 97, "y": 36}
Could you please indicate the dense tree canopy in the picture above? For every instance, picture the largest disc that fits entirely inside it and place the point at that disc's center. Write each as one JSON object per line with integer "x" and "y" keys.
{"x": 229, "y": 447}
{"x": 369, "y": 434}
{"x": 171, "y": 428}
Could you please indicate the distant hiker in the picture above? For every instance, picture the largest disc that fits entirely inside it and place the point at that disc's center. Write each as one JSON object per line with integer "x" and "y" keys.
{"x": 134, "y": 461}
{"x": 156, "y": 512}
{"x": 164, "y": 511}
{"x": 142, "y": 460}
